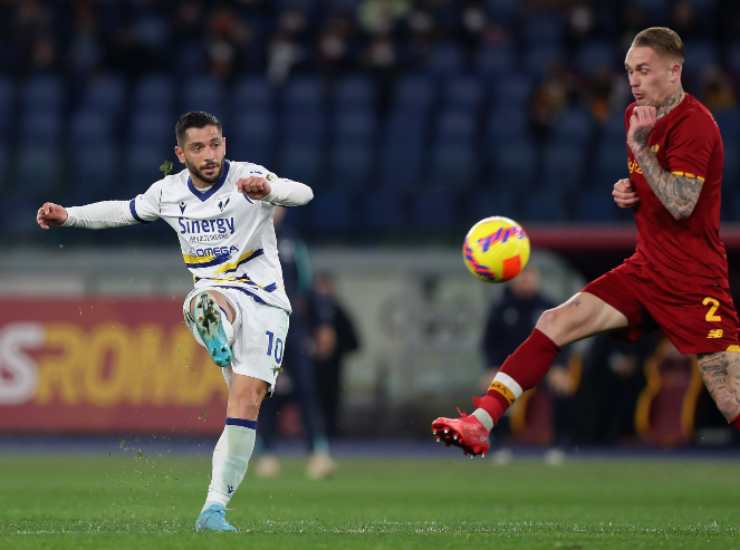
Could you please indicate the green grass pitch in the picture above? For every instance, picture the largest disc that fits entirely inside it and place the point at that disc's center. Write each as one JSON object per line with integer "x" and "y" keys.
{"x": 97, "y": 502}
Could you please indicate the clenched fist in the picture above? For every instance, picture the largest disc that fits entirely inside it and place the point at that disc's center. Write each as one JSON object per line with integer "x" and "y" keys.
{"x": 51, "y": 215}
{"x": 642, "y": 122}
{"x": 624, "y": 194}
{"x": 255, "y": 187}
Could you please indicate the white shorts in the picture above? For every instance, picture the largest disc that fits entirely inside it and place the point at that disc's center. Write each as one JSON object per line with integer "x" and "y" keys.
{"x": 260, "y": 331}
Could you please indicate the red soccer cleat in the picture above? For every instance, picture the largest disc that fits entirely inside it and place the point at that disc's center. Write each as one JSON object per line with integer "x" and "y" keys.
{"x": 465, "y": 432}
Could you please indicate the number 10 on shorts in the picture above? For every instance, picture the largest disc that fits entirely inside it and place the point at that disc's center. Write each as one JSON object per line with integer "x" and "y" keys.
{"x": 274, "y": 347}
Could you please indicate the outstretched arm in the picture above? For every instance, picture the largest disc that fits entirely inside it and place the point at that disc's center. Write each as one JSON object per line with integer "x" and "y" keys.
{"x": 678, "y": 193}
{"x": 98, "y": 215}
{"x": 281, "y": 191}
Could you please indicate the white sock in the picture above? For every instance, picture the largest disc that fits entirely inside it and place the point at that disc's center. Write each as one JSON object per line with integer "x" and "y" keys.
{"x": 484, "y": 418}
{"x": 230, "y": 460}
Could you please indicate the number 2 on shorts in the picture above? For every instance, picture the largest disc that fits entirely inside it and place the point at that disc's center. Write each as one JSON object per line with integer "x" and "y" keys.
{"x": 277, "y": 348}
{"x": 713, "y": 304}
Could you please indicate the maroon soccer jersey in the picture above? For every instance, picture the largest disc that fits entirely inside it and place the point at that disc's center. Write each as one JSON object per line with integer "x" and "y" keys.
{"x": 682, "y": 253}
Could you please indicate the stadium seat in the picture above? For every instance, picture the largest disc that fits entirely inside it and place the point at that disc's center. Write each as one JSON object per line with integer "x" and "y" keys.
{"x": 544, "y": 30}
{"x": 141, "y": 169}
{"x": 90, "y": 127}
{"x": 445, "y": 60}
{"x": 93, "y": 176}
{"x": 504, "y": 11}
{"x": 302, "y": 94}
{"x": 462, "y": 94}
{"x": 512, "y": 93}
{"x": 594, "y": 56}
{"x": 456, "y": 128}
{"x": 731, "y": 181}
{"x": 515, "y": 163}
{"x": 105, "y": 94}
{"x": 39, "y": 168}
{"x": 350, "y": 166}
{"x": 489, "y": 200}
{"x": 548, "y": 206}
{"x": 573, "y": 126}
{"x": 414, "y": 93}
{"x": 733, "y": 58}
{"x": 301, "y": 163}
{"x": 699, "y": 56}
{"x": 154, "y": 129}
{"x": 540, "y": 60}
{"x": 251, "y": 94}
{"x": 505, "y": 126}
{"x": 609, "y": 165}
{"x": 452, "y": 167}
{"x": 303, "y": 127}
{"x": 154, "y": 94}
{"x": 204, "y": 94}
{"x": 355, "y": 92}
{"x": 7, "y": 102}
{"x": 42, "y": 93}
{"x": 563, "y": 164}
{"x": 330, "y": 212}
{"x": 495, "y": 62}
{"x": 595, "y": 205}
{"x": 613, "y": 128}
{"x": 42, "y": 128}
{"x": 436, "y": 211}
{"x": 400, "y": 166}
{"x": 357, "y": 128}
{"x": 729, "y": 123}
{"x": 250, "y": 136}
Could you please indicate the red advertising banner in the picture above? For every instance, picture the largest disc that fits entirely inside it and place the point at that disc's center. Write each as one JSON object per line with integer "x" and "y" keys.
{"x": 104, "y": 365}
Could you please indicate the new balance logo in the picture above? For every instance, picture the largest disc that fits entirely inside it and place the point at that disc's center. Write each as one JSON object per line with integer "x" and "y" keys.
{"x": 715, "y": 333}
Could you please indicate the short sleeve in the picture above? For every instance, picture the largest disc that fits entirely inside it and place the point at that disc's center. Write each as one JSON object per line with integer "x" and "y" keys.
{"x": 146, "y": 206}
{"x": 691, "y": 145}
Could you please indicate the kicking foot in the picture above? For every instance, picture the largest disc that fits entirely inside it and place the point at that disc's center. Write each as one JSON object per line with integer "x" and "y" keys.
{"x": 211, "y": 331}
{"x": 465, "y": 432}
{"x": 213, "y": 518}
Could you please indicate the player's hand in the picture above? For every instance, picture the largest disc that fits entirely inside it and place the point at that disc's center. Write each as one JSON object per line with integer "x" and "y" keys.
{"x": 51, "y": 215}
{"x": 254, "y": 187}
{"x": 624, "y": 194}
{"x": 642, "y": 122}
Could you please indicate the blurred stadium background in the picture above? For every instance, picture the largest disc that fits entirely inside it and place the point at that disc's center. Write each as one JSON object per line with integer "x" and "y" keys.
{"x": 411, "y": 120}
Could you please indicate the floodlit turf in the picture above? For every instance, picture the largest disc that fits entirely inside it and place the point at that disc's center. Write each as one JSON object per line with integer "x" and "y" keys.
{"x": 141, "y": 502}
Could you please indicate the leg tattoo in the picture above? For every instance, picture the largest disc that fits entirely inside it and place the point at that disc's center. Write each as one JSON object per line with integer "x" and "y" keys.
{"x": 721, "y": 375}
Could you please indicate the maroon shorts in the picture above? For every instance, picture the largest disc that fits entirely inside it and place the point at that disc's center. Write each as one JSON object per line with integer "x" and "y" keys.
{"x": 697, "y": 320}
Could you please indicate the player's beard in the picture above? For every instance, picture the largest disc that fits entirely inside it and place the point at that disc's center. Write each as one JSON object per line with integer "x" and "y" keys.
{"x": 201, "y": 176}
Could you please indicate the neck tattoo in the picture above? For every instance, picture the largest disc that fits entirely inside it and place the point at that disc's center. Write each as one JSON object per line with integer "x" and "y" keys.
{"x": 670, "y": 103}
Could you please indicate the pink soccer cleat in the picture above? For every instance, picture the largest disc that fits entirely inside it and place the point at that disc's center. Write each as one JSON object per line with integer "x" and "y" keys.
{"x": 465, "y": 432}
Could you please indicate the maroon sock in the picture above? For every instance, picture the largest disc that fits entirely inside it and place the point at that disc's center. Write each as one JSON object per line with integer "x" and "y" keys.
{"x": 528, "y": 365}
{"x": 736, "y": 423}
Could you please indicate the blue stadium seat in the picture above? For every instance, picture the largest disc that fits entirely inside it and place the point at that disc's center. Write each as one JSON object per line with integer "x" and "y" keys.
{"x": 406, "y": 128}
{"x": 456, "y": 128}
{"x": 699, "y": 56}
{"x": 415, "y": 93}
{"x": 574, "y": 125}
{"x": 490, "y": 200}
{"x": 42, "y": 93}
{"x": 350, "y": 166}
{"x": 7, "y": 99}
{"x": 94, "y": 175}
{"x": 595, "y": 205}
{"x": 594, "y": 56}
{"x": 250, "y": 136}
{"x": 141, "y": 169}
{"x": 303, "y": 93}
{"x": 154, "y": 93}
{"x": 462, "y": 94}
{"x": 251, "y": 94}
{"x": 204, "y": 93}
{"x": 445, "y": 60}
{"x": 452, "y": 167}
{"x": 331, "y": 212}
{"x": 42, "y": 128}
{"x": 544, "y": 30}
{"x": 547, "y": 205}
{"x": 153, "y": 129}
{"x": 732, "y": 166}
{"x": 504, "y": 11}
{"x": 382, "y": 210}
{"x": 613, "y": 128}
{"x": 563, "y": 165}
{"x": 400, "y": 165}
{"x": 733, "y": 58}
{"x": 495, "y": 62}
{"x": 436, "y": 211}
{"x": 105, "y": 94}
{"x": 40, "y": 170}
{"x": 303, "y": 127}
{"x": 355, "y": 92}
{"x": 513, "y": 92}
{"x": 656, "y": 10}
{"x": 609, "y": 165}
{"x": 355, "y": 128}
{"x": 505, "y": 126}
{"x": 515, "y": 163}
{"x": 729, "y": 123}
{"x": 90, "y": 128}
{"x": 541, "y": 59}
{"x": 301, "y": 163}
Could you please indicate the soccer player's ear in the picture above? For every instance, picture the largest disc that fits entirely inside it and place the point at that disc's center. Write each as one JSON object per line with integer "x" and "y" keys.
{"x": 180, "y": 154}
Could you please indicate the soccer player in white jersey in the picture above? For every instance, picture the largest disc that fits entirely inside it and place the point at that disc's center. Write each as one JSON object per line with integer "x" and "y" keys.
{"x": 222, "y": 213}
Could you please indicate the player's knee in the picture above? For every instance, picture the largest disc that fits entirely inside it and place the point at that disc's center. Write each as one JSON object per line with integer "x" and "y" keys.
{"x": 559, "y": 323}
{"x": 246, "y": 400}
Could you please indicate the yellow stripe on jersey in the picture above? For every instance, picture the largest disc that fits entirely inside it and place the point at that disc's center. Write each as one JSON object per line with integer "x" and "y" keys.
{"x": 688, "y": 175}
{"x": 197, "y": 260}
{"x": 231, "y": 266}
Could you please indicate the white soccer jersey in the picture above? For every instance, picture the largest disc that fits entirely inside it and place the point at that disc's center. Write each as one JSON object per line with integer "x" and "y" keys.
{"x": 227, "y": 239}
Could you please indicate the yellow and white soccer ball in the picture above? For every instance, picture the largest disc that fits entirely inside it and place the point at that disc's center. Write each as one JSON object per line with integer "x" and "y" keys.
{"x": 496, "y": 249}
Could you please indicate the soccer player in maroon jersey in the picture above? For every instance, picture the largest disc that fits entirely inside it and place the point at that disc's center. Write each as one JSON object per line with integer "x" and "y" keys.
{"x": 678, "y": 273}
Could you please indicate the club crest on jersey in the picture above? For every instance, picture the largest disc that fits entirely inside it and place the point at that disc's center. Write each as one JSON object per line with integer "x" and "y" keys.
{"x": 182, "y": 207}
{"x": 222, "y": 204}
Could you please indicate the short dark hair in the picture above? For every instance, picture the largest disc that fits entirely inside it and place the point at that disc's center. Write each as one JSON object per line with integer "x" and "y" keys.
{"x": 194, "y": 119}
{"x": 661, "y": 39}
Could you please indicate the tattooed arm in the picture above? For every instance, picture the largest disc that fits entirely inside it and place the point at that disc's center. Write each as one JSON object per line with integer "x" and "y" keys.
{"x": 679, "y": 194}
{"x": 721, "y": 375}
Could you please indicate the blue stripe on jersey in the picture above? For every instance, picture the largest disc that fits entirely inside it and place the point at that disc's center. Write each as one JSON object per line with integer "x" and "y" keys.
{"x": 215, "y": 261}
{"x": 270, "y": 288}
{"x": 245, "y": 291}
{"x": 205, "y": 195}
{"x": 132, "y": 208}
{"x": 243, "y": 422}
